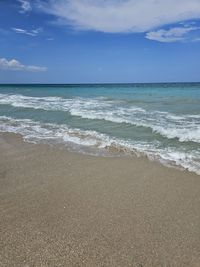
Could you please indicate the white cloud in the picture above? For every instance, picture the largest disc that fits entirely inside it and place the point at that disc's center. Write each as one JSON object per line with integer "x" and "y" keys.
{"x": 34, "y": 32}
{"x": 121, "y": 15}
{"x": 15, "y": 65}
{"x": 25, "y": 6}
{"x": 172, "y": 35}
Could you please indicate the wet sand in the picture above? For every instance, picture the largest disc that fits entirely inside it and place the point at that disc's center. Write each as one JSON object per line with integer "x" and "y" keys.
{"x": 59, "y": 208}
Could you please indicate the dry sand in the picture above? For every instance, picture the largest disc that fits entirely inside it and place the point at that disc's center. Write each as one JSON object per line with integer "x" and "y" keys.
{"x": 65, "y": 209}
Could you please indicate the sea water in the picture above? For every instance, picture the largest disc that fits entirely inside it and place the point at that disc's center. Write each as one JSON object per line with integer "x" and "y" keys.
{"x": 161, "y": 121}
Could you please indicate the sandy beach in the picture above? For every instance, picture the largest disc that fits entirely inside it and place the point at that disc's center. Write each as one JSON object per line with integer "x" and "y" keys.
{"x": 59, "y": 208}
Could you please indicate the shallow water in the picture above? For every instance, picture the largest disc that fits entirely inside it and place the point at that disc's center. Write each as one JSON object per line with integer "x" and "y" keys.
{"x": 161, "y": 121}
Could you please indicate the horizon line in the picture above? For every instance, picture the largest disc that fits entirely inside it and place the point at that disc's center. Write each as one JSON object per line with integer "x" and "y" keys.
{"x": 109, "y": 83}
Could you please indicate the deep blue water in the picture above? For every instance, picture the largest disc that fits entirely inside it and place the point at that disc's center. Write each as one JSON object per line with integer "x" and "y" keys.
{"x": 161, "y": 121}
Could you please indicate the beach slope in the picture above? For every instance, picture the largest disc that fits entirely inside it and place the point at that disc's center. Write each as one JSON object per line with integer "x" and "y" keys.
{"x": 65, "y": 209}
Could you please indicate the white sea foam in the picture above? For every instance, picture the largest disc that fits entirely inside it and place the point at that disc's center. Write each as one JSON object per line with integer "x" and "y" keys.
{"x": 50, "y": 103}
{"x": 38, "y": 132}
{"x": 183, "y": 127}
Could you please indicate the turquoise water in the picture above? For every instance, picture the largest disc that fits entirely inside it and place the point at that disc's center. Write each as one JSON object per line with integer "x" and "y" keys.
{"x": 161, "y": 121}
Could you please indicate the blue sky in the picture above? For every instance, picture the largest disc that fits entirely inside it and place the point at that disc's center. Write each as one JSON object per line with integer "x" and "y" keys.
{"x": 98, "y": 41}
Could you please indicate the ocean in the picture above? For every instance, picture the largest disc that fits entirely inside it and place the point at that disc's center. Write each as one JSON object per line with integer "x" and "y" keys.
{"x": 160, "y": 121}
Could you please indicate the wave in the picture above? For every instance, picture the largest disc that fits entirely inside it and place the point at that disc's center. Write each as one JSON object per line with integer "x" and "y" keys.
{"x": 182, "y": 127}
{"x": 98, "y": 143}
{"x": 50, "y": 103}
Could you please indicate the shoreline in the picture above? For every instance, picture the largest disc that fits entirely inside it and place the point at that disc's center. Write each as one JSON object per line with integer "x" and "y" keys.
{"x": 61, "y": 208}
{"x": 110, "y": 151}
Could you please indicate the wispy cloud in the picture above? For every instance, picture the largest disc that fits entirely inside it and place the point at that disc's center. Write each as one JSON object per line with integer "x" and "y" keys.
{"x": 25, "y": 6}
{"x": 115, "y": 16}
{"x": 196, "y": 39}
{"x": 34, "y": 32}
{"x": 172, "y": 35}
{"x": 15, "y": 65}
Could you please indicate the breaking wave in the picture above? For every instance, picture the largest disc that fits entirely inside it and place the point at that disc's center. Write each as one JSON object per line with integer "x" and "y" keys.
{"x": 182, "y": 127}
{"x": 96, "y": 143}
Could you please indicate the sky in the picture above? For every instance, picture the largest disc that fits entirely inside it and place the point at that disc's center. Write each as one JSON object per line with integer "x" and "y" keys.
{"x": 99, "y": 41}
